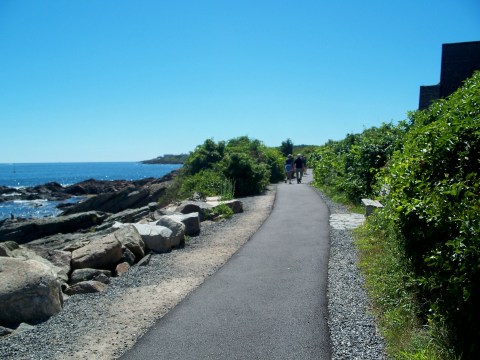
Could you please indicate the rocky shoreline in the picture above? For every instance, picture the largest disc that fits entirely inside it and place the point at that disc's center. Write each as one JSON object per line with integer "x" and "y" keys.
{"x": 43, "y": 261}
{"x": 103, "y": 325}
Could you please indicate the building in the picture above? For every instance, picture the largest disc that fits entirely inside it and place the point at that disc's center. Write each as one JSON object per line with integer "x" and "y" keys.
{"x": 459, "y": 61}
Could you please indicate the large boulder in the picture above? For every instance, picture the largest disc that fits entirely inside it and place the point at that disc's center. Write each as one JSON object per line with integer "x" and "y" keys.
{"x": 26, "y": 231}
{"x": 202, "y": 208}
{"x": 131, "y": 239}
{"x": 156, "y": 238}
{"x": 100, "y": 253}
{"x": 191, "y": 222}
{"x": 58, "y": 261}
{"x": 29, "y": 292}
{"x": 177, "y": 227}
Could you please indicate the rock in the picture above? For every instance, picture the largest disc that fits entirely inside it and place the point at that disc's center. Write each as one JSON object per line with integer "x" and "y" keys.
{"x": 4, "y": 331}
{"x": 86, "y": 287}
{"x": 86, "y": 274}
{"x": 191, "y": 222}
{"x": 7, "y": 247}
{"x": 130, "y": 215}
{"x": 122, "y": 268}
{"x": 66, "y": 242}
{"x": 61, "y": 260}
{"x": 102, "y": 278}
{"x": 101, "y": 253}
{"x": 137, "y": 195}
{"x": 177, "y": 227}
{"x": 156, "y": 238}
{"x": 145, "y": 261}
{"x": 235, "y": 205}
{"x": 127, "y": 256}
{"x": 25, "y": 231}
{"x": 58, "y": 261}
{"x": 29, "y": 292}
{"x": 129, "y": 237}
{"x": 202, "y": 208}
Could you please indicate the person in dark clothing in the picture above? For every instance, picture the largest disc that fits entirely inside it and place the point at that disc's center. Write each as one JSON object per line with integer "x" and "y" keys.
{"x": 298, "y": 167}
{"x": 289, "y": 168}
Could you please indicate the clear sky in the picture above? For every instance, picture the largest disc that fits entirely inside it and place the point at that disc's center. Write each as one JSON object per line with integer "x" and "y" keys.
{"x": 117, "y": 80}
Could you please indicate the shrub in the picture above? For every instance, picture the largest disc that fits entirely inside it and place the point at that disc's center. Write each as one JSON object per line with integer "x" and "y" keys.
{"x": 206, "y": 182}
{"x": 434, "y": 201}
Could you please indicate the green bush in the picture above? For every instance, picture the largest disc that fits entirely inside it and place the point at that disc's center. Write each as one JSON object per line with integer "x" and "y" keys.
{"x": 244, "y": 164}
{"x": 350, "y": 166}
{"x": 434, "y": 202}
{"x": 206, "y": 183}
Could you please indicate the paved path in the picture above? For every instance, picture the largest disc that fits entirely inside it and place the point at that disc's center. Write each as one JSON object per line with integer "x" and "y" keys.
{"x": 268, "y": 302}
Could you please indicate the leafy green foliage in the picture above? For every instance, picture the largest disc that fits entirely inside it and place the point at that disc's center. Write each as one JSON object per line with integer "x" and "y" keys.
{"x": 286, "y": 147}
{"x": 206, "y": 183}
{"x": 223, "y": 211}
{"x": 427, "y": 171}
{"x": 435, "y": 201}
{"x": 245, "y": 164}
{"x": 350, "y": 166}
{"x": 204, "y": 157}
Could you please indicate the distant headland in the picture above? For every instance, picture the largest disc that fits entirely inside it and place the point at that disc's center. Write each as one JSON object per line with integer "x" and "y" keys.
{"x": 167, "y": 159}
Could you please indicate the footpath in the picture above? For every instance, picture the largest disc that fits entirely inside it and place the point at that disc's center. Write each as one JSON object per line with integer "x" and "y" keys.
{"x": 267, "y": 302}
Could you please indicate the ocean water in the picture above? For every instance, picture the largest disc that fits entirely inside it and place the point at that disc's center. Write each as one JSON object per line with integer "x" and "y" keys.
{"x": 26, "y": 175}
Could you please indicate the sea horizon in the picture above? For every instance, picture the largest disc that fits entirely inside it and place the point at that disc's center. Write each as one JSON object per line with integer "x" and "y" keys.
{"x": 21, "y": 175}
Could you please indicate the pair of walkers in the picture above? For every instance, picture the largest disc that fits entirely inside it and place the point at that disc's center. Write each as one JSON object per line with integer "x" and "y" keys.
{"x": 297, "y": 166}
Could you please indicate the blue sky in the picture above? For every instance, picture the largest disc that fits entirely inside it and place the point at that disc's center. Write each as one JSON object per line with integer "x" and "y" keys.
{"x": 115, "y": 80}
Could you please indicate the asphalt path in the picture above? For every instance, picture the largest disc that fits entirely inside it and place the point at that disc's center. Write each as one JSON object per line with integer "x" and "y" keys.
{"x": 268, "y": 302}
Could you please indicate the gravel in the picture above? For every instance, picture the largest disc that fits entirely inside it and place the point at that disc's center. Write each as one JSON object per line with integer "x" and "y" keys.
{"x": 353, "y": 331}
{"x": 105, "y": 325}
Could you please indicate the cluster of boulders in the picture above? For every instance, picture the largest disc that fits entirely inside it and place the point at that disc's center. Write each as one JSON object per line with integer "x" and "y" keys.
{"x": 44, "y": 261}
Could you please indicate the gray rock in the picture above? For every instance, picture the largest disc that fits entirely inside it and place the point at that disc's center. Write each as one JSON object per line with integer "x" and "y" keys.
{"x": 7, "y": 247}
{"x": 177, "y": 227}
{"x": 130, "y": 215}
{"x": 26, "y": 231}
{"x": 102, "y": 278}
{"x": 86, "y": 274}
{"x": 127, "y": 256}
{"x": 101, "y": 253}
{"x": 191, "y": 222}
{"x": 156, "y": 238}
{"x": 202, "y": 208}
{"x": 131, "y": 239}
{"x": 29, "y": 291}
{"x": 58, "y": 261}
{"x": 4, "y": 331}
{"x": 86, "y": 287}
{"x": 145, "y": 261}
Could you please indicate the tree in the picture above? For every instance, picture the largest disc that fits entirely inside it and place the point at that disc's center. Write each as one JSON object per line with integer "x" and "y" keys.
{"x": 286, "y": 147}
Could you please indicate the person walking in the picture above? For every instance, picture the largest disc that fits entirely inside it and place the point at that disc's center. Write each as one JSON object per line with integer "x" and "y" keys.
{"x": 298, "y": 166}
{"x": 289, "y": 168}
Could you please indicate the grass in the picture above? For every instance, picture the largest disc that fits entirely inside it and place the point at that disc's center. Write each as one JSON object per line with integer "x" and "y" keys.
{"x": 395, "y": 305}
